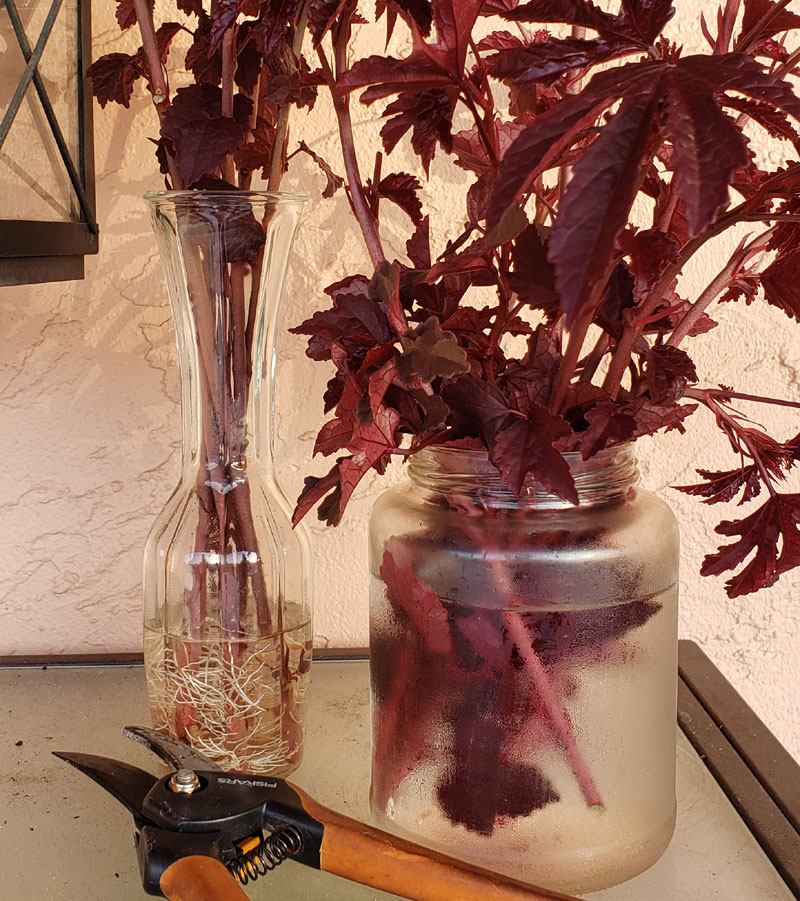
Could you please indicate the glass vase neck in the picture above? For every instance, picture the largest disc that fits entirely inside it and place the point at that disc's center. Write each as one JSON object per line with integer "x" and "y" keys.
{"x": 450, "y": 472}
{"x": 225, "y": 256}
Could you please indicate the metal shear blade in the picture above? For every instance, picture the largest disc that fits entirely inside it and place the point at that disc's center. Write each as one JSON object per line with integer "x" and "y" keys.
{"x": 174, "y": 753}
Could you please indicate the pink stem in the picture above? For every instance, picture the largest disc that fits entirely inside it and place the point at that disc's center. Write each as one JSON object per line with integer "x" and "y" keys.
{"x": 341, "y": 105}
{"x": 557, "y": 716}
{"x": 549, "y": 701}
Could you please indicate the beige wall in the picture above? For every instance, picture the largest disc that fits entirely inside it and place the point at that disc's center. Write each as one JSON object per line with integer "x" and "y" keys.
{"x": 91, "y": 430}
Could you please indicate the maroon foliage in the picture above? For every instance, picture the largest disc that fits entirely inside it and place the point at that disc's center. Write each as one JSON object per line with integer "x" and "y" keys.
{"x": 202, "y": 136}
{"x": 721, "y": 487}
{"x": 126, "y": 14}
{"x": 608, "y": 124}
{"x": 776, "y": 521}
{"x": 112, "y": 77}
{"x": 401, "y": 188}
{"x": 507, "y": 788}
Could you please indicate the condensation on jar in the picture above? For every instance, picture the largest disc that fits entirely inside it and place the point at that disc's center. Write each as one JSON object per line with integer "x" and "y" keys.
{"x": 524, "y": 668}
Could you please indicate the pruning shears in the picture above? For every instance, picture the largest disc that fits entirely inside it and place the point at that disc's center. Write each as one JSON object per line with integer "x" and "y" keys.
{"x": 200, "y": 832}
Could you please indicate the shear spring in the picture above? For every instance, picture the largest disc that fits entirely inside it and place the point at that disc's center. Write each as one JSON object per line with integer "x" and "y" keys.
{"x": 271, "y": 851}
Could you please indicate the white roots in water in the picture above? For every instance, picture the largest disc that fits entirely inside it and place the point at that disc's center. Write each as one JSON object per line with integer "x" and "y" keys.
{"x": 230, "y": 702}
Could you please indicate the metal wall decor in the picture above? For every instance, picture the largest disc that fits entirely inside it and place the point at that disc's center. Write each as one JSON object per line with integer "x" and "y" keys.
{"x": 47, "y": 205}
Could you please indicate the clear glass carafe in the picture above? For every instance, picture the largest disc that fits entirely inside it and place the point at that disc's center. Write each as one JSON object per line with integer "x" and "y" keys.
{"x": 227, "y": 590}
{"x": 524, "y": 668}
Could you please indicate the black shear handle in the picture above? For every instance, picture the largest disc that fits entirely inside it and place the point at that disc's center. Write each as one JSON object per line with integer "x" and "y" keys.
{"x": 198, "y": 878}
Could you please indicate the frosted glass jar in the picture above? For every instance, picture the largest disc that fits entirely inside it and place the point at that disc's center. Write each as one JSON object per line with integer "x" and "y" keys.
{"x": 524, "y": 668}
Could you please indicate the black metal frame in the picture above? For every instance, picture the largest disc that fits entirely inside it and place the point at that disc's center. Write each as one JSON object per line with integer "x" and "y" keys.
{"x": 39, "y": 251}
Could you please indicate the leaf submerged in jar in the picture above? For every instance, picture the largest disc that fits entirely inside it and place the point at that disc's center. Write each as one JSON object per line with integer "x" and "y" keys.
{"x": 482, "y": 785}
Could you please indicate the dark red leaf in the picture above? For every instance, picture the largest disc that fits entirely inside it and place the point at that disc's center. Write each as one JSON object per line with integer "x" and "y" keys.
{"x": 112, "y": 78}
{"x": 478, "y": 197}
{"x": 429, "y": 115}
{"x": 509, "y": 788}
{"x": 314, "y": 490}
{"x": 708, "y": 147}
{"x": 470, "y": 150}
{"x": 571, "y": 12}
{"x": 609, "y": 425}
{"x": 418, "y": 245}
{"x": 646, "y": 17}
{"x": 321, "y": 16}
{"x": 544, "y": 62}
{"x": 417, "y": 11}
{"x": 532, "y": 276}
{"x": 223, "y": 15}
{"x": 354, "y": 316}
{"x": 498, "y": 7}
{"x": 769, "y": 118}
{"x": 775, "y": 521}
{"x": 738, "y": 72}
{"x": 762, "y": 20}
{"x": 525, "y": 447}
{"x": 454, "y": 21}
{"x": 201, "y": 135}
{"x": 203, "y": 62}
{"x": 477, "y": 407}
{"x": 388, "y": 75}
{"x": 430, "y": 353}
{"x": 248, "y": 58}
{"x": 417, "y": 602}
{"x": 126, "y": 13}
{"x": 668, "y": 371}
{"x": 650, "y": 416}
{"x": 385, "y": 288}
{"x": 650, "y": 252}
{"x": 721, "y": 487}
{"x": 368, "y": 446}
{"x": 781, "y": 284}
{"x": 257, "y": 152}
{"x": 274, "y": 23}
{"x": 539, "y": 146}
{"x": 379, "y": 383}
{"x": 500, "y": 40}
{"x": 333, "y": 436}
{"x": 401, "y": 188}
{"x": 596, "y": 204}
{"x": 613, "y": 423}
{"x": 191, "y": 7}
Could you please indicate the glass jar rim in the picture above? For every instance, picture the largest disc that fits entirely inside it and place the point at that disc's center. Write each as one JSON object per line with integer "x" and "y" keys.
{"x": 199, "y": 194}
{"x": 608, "y": 473}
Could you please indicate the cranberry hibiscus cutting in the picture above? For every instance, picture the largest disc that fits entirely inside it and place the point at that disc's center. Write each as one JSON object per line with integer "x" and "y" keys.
{"x": 548, "y": 227}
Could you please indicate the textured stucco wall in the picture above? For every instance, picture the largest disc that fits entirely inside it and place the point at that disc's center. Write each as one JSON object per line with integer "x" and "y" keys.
{"x": 91, "y": 427}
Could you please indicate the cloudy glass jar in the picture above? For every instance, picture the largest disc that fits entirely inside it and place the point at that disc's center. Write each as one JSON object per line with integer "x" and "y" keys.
{"x": 524, "y": 668}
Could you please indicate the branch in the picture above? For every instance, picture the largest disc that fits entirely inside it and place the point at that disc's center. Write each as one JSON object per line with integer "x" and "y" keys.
{"x": 277, "y": 162}
{"x": 341, "y": 105}
{"x": 147, "y": 29}
{"x": 743, "y": 253}
{"x": 158, "y": 77}
{"x": 228, "y": 56}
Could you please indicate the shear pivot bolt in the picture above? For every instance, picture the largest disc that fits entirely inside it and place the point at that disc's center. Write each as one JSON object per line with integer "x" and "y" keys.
{"x": 184, "y": 782}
